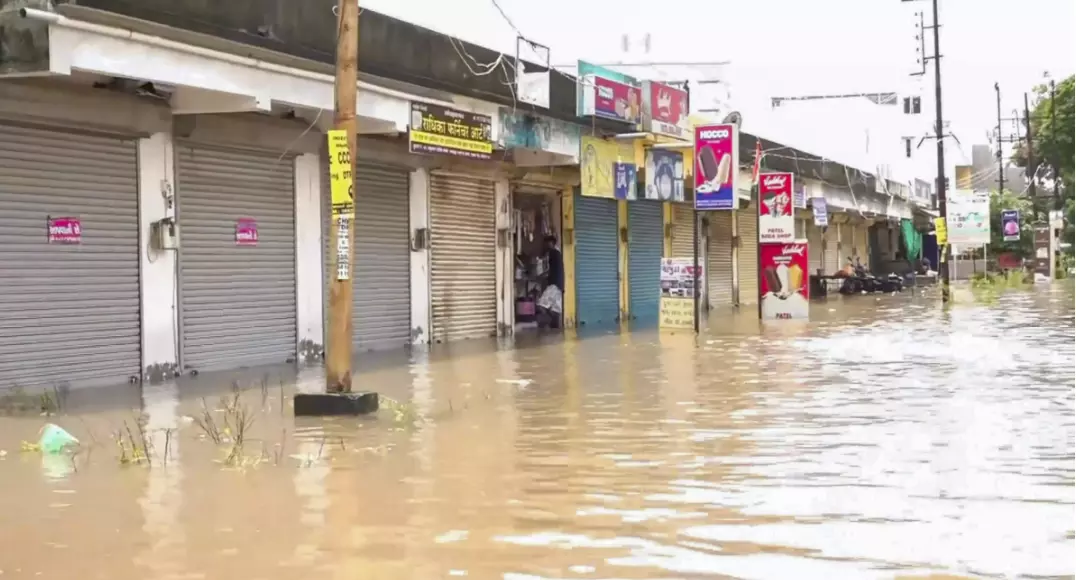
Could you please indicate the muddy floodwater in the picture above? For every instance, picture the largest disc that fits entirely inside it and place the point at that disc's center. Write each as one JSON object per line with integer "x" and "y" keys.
{"x": 887, "y": 438}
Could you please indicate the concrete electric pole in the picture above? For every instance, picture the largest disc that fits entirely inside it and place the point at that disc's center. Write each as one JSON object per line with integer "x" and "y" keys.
{"x": 342, "y": 168}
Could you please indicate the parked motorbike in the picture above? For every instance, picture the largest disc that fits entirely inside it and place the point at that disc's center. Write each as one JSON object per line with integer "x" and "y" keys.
{"x": 862, "y": 281}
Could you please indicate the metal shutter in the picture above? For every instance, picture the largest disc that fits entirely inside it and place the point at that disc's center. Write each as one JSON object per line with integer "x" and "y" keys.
{"x": 381, "y": 273}
{"x": 719, "y": 268}
{"x": 463, "y": 274}
{"x": 814, "y": 248}
{"x": 847, "y": 241}
{"x": 834, "y": 261}
{"x": 682, "y": 246}
{"x": 69, "y": 314}
{"x": 596, "y": 255}
{"x": 860, "y": 235}
{"x": 748, "y": 222}
{"x": 237, "y": 303}
{"x": 646, "y": 239}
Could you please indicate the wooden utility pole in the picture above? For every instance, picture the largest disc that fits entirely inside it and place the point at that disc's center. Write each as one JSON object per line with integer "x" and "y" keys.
{"x": 342, "y": 235}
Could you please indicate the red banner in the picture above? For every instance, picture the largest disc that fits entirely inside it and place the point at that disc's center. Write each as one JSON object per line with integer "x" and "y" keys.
{"x": 783, "y": 281}
{"x": 665, "y": 110}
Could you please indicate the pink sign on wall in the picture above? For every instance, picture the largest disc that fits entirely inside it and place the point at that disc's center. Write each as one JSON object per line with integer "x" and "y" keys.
{"x": 246, "y": 232}
{"x": 783, "y": 281}
{"x": 65, "y": 230}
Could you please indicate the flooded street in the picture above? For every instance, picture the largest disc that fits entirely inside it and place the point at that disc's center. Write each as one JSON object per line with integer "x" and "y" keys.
{"x": 885, "y": 439}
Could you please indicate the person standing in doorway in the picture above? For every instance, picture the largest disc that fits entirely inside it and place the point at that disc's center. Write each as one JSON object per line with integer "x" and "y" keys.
{"x": 551, "y": 300}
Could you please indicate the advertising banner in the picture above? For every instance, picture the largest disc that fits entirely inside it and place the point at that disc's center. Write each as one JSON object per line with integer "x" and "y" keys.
{"x": 968, "y": 218}
{"x": 625, "y": 180}
{"x": 605, "y": 93}
{"x": 665, "y": 110}
{"x": 776, "y": 224}
{"x": 799, "y": 195}
{"x": 340, "y": 183}
{"x": 1010, "y": 225}
{"x": 679, "y": 283}
{"x": 664, "y": 175}
{"x": 439, "y": 130}
{"x": 783, "y": 285}
{"x": 64, "y": 230}
{"x": 717, "y": 163}
{"x": 246, "y": 232}
{"x": 818, "y": 207}
{"x": 597, "y": 161}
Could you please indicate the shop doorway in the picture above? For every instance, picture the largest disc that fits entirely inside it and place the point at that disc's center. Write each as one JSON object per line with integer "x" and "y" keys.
{"x": 538, "y": 281}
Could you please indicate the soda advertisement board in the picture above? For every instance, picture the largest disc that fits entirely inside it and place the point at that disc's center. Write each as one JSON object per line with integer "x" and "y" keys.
{"x": 783, "y": 286}
{"x": 716, "y": 165}
{"x": 776, "y": 224}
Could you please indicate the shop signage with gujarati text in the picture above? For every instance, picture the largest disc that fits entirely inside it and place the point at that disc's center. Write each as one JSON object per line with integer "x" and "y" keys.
{"x": 340, "y": 180}
{"x": 437, "y": 130}
{"x": 64, "y": 230}
{"x": 246, "y": 232}
{"x": 679, "y": 283}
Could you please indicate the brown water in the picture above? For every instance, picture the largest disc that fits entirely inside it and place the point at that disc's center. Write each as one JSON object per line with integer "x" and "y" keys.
{"x": 887, "y": 438}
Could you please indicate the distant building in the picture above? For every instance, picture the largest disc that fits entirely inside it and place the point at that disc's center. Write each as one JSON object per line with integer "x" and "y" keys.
{"x": 984, "y": 168}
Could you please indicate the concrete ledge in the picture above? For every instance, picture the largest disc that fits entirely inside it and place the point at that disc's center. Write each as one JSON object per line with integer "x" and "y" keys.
{"x": 335, "y": 404}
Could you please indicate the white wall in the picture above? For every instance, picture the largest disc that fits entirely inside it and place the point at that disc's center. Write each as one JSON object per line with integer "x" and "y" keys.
{"x": 420, "y": 259}
{"x": 156, "y": 182}
{"x": 309, "y": 260}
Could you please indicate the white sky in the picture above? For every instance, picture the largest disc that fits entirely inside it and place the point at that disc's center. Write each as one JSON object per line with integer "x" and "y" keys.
{"x": 790, "y": 47}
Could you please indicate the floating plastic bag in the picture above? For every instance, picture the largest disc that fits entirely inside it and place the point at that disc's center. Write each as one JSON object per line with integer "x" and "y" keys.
{"x": 54, "y": 439}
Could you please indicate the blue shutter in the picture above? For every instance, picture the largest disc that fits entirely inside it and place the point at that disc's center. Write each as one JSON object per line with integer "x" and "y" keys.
{"x": 645, "y": 241}
{"x": 597, "y": 292}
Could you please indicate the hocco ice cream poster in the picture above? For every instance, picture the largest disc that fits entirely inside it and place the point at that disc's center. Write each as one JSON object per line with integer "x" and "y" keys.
{"x": 783, "y": 284}
{"x": 716, "y": 166}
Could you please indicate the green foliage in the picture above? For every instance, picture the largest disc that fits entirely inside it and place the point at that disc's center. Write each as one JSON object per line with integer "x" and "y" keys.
{"x": 1053, "y": 123}
{"x": 1000, "y": 202}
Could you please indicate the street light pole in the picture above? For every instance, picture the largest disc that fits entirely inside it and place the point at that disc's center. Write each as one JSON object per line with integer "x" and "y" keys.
{"x": 938, "y": 140}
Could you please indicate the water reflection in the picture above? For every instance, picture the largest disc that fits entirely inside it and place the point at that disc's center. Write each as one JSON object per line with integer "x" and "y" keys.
{"x": 886, "y": 438}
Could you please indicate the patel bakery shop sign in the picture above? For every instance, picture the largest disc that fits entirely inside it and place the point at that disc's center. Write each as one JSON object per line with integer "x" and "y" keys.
{"x": 439, "y": 130}
{"x": 665, "y": 110}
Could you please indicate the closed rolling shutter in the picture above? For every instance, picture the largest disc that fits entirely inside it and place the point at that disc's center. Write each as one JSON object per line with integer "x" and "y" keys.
{"x": 719, "y": 256}
{"x": 463, "y": 277}
{"x": 833, "y": 260}
{"x": 381, "y": 272}
{"x": 847, "y": 242}
{"x": 860, "y": 235}
{"x": 69, "y": 313}
{"x": 596, "y": 255}
{"x": 748, "y": 223}
{"x": 237, "y": 302}
{"x": 646, "y": 239}
{"x": 814, "y": 248}
{"x": 682, "y": 246}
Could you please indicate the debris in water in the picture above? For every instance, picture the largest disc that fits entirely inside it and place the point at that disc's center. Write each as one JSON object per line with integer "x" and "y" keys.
{"x": 54, "y": 439}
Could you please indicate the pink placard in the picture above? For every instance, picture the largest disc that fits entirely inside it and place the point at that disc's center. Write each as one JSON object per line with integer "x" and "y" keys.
{"x": 246, "y": 232}
{"x": 65, "y": 230}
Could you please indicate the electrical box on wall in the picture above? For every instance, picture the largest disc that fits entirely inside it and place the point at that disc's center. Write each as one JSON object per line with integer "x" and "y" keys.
{"x": 164, "y": 234}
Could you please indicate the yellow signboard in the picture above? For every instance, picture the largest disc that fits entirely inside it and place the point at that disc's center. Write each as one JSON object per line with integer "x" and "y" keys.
{"x": 340, "y": 181}
{"x": 596, "y": 159}
{"x": 677, "y": 313}
{"x": 941, "y": 231}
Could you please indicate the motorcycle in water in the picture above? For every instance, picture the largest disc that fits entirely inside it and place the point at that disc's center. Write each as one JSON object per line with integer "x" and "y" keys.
{"x": 861, "y": 281}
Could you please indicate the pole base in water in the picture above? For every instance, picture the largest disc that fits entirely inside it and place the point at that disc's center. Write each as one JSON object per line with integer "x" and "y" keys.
{"x": 335, "y": 404}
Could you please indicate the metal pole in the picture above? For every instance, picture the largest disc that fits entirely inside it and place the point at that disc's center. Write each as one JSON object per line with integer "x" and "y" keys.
{"x": 1001, "y": 159}
{"x": 1031, "y": 167}
{"x": 338, "y": 341}
{"x": 695, "y": 264}
{"x": 1058, "y": 203}
{"x": 943, "y": 211}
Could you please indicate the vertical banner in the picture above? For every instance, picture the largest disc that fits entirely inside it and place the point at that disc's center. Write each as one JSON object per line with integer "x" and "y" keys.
{"x": 821, "y": 215}
{"x": 783, "y": 286}
{"x": 679, "y": 283}
{"x": 1010, "y": 225}
{"x": 1043, "y": 255}
{"x": 776, "y": 224}
{"x": 717, "y": 164}
{"x": 624, "y": 181}
{"x": 343, "y": 199}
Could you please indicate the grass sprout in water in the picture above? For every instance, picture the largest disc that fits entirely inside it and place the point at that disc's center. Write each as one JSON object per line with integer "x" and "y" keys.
{"x": 988, "y": 287}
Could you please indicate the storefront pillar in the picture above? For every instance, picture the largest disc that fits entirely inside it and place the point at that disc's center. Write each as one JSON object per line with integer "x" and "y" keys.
{"x": 505, "y": 260}
{"x": 567, "y": 226}
{"x": 420, "y": 256}
{"x": 156, "y": 192}
{"x": 667, "y": 228}
{"x": 622, "y": 263}
{"x": 309, "y": 280}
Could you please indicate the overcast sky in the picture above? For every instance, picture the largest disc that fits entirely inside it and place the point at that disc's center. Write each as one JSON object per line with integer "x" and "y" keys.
{"x": 795, "y": 47}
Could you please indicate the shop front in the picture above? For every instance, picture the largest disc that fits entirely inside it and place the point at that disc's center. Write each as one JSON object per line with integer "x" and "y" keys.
{"x": 538, "y": 259}
{"x": 747, "y": 230}
{"x": 597, "y": 256}
{"x": 646, "y": 238}
{"x": 237, "y": 267}
{"x": 381, "y": 272}
{"x": 69, "y": 292}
